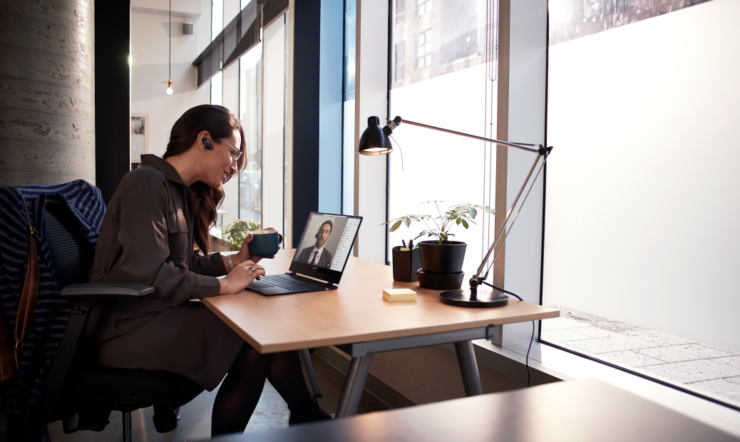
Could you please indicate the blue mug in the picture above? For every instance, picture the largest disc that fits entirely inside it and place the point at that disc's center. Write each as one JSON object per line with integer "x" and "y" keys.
{"x": 265, "y": 243}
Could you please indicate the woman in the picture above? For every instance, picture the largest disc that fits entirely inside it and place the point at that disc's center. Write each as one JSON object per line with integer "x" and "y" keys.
{"x": 147, "y": 236}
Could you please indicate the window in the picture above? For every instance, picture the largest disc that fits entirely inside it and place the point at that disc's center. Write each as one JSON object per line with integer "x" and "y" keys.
{"x": 461, "y": 97}
{"x": 399, "y": 62}
{"x": 250, "y": 115}
{"x": 217, "y": 18}
{"x": 400, "y": 11}
{"x": 424, "y": 49}
{"x": 423, "y": 6}
{"x": 642, "y": 209}
{"x": 217, "y": 89}
{"x": 348, "y": 109}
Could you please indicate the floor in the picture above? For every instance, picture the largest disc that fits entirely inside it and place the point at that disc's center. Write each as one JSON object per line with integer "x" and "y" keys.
{"x": 700, "y": 366}
{"x": 195, "y": 422}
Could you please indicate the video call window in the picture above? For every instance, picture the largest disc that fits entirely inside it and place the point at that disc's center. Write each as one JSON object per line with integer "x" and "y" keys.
{"x": 327, "y": 241}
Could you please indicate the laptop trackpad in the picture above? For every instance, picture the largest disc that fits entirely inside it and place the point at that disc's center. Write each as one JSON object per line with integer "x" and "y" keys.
{"x": 265, "y": 289}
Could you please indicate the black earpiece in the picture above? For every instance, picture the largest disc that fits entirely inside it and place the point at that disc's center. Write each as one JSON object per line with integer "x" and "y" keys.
{"x": 317, "y": 233}
{"x": 207, "y": 144}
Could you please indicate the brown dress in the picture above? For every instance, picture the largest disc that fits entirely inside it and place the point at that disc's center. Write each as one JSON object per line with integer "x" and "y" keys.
{"x": 147, "y": 237}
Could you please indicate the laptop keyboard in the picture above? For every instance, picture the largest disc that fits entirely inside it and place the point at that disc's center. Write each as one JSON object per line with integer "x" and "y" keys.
{"x": 289, "y": 283}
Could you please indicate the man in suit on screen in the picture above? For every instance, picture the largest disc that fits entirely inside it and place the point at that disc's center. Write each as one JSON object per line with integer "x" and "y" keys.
{"x": 317, "y": 255}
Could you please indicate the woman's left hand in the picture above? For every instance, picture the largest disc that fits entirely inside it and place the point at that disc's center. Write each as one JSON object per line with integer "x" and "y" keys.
{"x": 245, "y": 254}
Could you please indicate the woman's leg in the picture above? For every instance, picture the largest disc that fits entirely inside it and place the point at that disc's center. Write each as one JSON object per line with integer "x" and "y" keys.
{"x": 286, "y": 376}
{"x": 240, "y": 392}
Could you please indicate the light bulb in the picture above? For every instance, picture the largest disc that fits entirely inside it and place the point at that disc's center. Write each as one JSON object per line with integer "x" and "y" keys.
{"x": 169, "y": 91}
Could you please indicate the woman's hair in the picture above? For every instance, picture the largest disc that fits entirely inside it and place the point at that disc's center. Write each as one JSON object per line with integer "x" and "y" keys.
{"x": 219, "y": 123}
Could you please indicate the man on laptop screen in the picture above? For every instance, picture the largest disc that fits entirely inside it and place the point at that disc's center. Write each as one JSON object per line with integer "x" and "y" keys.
{"x": 316, "y": 255}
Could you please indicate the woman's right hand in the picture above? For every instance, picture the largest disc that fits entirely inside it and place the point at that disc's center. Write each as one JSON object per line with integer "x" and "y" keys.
{"x": 240, "y": 277}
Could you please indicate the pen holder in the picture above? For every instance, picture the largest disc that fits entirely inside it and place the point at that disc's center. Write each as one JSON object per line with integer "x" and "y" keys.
{"x": 405, "y": 264}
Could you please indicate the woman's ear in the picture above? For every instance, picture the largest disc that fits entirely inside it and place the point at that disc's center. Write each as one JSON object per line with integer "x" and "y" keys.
{"x": 203, "y": 141}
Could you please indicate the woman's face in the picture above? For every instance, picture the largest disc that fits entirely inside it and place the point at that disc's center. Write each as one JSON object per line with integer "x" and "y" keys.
{"x": 223, "y": 158}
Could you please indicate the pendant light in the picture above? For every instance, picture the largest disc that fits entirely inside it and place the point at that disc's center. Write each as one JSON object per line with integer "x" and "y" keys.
{"x": 169, "y": 82}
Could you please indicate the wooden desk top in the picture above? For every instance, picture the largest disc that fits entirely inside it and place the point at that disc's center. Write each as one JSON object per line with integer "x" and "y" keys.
{"x": 574, "y": 411}
{"x": 356, "y": 312}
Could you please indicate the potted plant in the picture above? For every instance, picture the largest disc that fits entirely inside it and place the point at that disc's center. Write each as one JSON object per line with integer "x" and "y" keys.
{"x": 442, "y": 255}
{"x": 236, "y": 232}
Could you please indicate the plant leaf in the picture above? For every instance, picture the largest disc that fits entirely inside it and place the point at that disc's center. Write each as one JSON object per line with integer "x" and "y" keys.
{"x": 407, "y": 221}
{"x": 465, "y": 224}
{"x": 396, "y": 225}
{"x": 485, "y": 209}
{"x": 473, "y": 212}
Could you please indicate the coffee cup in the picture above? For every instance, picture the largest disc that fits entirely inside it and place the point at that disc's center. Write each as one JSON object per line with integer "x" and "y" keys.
{"x": 265, "y": 242}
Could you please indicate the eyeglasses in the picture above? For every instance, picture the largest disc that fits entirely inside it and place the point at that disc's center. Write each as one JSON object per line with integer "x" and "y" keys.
{"x": 236, "y": 154}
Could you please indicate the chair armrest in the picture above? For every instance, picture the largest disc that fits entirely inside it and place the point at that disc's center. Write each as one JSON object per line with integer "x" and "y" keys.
{"x": 106, "y": 290}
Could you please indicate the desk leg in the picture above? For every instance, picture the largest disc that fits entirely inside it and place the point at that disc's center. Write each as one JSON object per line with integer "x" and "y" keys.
{"x": 468, "y": 368}
{"x": 353, "y": 386}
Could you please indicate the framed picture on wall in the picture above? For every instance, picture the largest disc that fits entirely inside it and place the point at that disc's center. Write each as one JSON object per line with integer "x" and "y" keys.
{"x": 139, "y": 136}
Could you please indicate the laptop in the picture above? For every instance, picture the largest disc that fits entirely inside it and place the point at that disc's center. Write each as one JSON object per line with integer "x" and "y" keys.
{"x": 319, "y": 261}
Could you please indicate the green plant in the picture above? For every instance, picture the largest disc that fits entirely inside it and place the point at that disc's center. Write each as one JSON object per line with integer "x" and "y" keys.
{"x": 236, "y": 232}
{"x": 458, "y": 214}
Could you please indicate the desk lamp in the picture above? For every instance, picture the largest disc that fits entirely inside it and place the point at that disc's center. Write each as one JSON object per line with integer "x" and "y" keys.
{"x": 376, "y": 141}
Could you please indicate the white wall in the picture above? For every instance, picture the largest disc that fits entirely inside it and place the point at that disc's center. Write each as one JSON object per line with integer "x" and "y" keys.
{"x": 149, "y": 57}
{"x": 643, "y": 193}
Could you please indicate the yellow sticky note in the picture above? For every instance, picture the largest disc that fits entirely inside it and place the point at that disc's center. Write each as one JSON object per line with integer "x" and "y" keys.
{"x": 399, "y": 295}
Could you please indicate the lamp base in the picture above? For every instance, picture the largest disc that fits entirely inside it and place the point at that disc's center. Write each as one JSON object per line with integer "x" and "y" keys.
{"x": 484, "y": 299}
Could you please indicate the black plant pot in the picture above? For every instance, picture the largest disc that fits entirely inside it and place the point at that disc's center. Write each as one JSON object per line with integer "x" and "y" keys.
{"x": 442, "y": 258}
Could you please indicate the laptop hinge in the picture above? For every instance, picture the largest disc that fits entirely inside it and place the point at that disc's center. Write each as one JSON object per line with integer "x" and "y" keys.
{"x": 290, "y": 273}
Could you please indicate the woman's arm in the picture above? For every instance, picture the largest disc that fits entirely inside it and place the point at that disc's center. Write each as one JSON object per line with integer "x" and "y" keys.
{"x": 140, "y": 211}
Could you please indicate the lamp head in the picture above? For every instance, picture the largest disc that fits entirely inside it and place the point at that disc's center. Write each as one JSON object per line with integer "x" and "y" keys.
{"x": 375, "y": 141}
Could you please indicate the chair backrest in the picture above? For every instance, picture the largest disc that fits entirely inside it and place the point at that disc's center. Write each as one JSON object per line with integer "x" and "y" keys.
{"x": 71, "y": 255}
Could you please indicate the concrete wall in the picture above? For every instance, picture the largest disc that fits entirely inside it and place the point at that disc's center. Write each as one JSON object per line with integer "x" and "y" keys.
{"x": 47, "y": 96}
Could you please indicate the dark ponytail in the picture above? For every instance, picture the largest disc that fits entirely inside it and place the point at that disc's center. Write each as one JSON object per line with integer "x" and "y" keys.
{"x": 219, "y": 123}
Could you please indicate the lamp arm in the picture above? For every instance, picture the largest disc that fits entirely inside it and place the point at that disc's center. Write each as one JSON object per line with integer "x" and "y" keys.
{"x": 528, "y": 147}
{"x": 506, "y": 220}
{"x": 474, "y": 281}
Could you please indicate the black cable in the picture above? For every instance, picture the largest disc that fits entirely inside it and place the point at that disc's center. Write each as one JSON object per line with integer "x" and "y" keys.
{"x": 170, "y": 49}
{"x": 526, "y": 360}
{"x": 502, "y": 290}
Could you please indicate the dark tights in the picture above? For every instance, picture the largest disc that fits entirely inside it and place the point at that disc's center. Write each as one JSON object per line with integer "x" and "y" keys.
{"x": 241, "y": 389}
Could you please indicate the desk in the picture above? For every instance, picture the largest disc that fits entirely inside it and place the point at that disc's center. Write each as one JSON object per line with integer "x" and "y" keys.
{"x": 357, "y": 319}
{"x": 575, "y": 411}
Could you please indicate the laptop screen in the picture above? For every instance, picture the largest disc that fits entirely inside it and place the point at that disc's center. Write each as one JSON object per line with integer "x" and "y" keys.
{"x": 325, "y": 246}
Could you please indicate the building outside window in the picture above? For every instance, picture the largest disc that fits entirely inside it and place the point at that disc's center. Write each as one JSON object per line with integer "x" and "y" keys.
{"x": 400, "y": 11}
{"x": 424, "y": 49}
{"x": 423, "y": 6}
{"x": 399, "y": 62}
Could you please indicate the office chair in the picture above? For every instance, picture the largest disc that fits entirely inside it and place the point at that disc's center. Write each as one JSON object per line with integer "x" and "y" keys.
{"x": 76, "y": 390}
